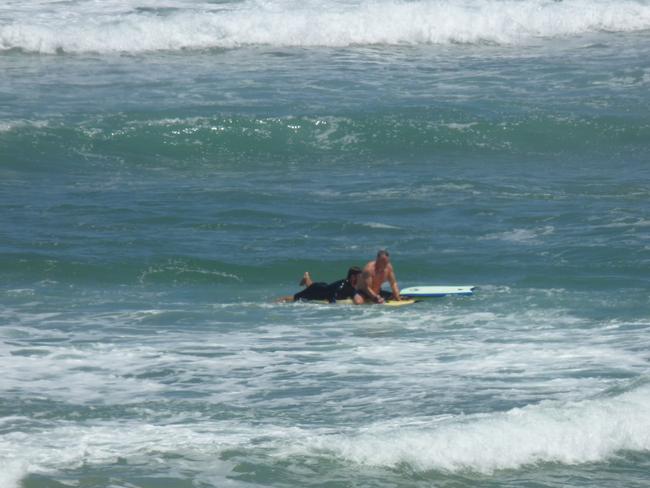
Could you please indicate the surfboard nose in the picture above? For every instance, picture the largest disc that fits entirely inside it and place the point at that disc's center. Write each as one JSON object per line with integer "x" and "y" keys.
{"x": 437, "y": 291}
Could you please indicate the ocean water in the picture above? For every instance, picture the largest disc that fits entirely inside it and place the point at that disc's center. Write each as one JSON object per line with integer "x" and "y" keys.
{"x": 169, "y": 168}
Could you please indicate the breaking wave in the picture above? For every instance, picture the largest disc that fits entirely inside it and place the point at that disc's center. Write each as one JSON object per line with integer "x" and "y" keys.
{"x": 572, "y": 433}
{"x": 136, "y": 26}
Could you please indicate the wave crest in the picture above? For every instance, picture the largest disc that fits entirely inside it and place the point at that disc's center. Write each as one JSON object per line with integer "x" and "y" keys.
{"x": 572, "y": 433}
{"x": 311, "y": 23}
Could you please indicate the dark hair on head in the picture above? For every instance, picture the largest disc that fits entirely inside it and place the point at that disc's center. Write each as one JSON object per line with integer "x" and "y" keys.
{"x": 383, "y": 252}
{"x": 354, "y": 270}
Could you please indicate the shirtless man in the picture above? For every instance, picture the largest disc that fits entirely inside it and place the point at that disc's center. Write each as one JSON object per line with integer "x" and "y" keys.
{"x": 374, "y": 274}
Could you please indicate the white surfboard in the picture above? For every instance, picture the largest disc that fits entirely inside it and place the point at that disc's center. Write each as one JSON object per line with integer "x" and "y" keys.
{"x": 436, "y": 291}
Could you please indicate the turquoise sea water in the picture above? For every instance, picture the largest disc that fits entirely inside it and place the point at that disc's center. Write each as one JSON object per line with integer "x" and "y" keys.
{"x": 168, "y": 169}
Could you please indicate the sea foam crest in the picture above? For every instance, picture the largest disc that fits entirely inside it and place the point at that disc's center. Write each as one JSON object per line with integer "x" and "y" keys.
{"x": 129, "y": 27}
{"x": 568, "y": 433}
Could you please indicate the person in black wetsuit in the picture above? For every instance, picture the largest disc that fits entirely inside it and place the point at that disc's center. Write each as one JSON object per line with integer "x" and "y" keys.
{"x": 338, "y": 290}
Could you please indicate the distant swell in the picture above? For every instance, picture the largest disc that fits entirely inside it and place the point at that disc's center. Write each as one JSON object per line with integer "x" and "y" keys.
{"x": 222, "y": 140}
{"x": 296, "y": 24}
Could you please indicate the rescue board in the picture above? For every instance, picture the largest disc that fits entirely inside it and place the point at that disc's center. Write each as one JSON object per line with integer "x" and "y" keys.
{"x": 437, "y": 291}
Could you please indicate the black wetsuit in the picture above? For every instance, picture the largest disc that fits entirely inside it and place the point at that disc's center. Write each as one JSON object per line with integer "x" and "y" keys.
{"x": 339, "y": 290}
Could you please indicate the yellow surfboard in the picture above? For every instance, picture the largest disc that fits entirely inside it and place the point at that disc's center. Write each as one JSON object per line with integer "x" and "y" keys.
{"x": 348, "y": 301}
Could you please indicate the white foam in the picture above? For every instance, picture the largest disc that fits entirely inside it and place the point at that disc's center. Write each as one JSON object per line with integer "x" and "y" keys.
{"x": 570, "y": 433}
{"x": 522, "y": 236}
{"x": 12, "y": 472}
{"x": 13, "y": 125}
{"x": 125, "y": 27}
{"x": 108, "y": 358}
{"x": 181, "y": 270}
{"x": 624, "y": 223}
{"x": 592, "y": 430}
{"x": 379, "y": 225}
{"x": 66, "y": 446}
{"x": 515, "y": 357}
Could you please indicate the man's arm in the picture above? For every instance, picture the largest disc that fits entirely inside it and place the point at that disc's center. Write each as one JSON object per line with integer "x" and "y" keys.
{"x": 366, "y": 286}
{"x": 393, "y": 284}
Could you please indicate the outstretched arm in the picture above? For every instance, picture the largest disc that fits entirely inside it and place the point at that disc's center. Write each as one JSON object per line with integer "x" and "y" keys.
{"x": 393, "y": 284}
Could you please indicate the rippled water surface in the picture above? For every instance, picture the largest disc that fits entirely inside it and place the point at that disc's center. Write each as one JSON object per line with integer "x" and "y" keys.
{"x": 168, "y": 171}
